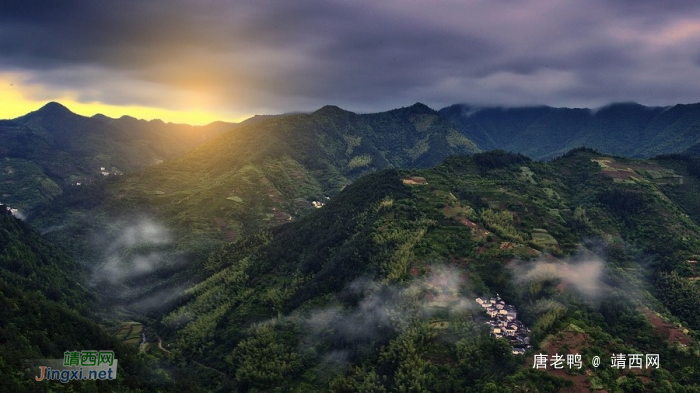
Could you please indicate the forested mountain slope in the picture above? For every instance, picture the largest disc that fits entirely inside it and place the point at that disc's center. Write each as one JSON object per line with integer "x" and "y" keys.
{"x": 52, "y": 148}
{"x": 630, "y": 130}
{"x": 272, "y": 170}
{"x": 267, "y": 171}
{"x": 375, "y": 291}
{"x": 46, "y": 309}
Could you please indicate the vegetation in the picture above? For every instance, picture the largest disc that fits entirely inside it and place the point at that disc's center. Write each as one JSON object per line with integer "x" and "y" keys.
{"x": 51, "y": 149}
{"x": 45, "y": 310}
{"x": 261, "y": 174}
{"x": 630, "y": 130}
{"x": 363, "y": 294}
{"x": 253, "y": 286}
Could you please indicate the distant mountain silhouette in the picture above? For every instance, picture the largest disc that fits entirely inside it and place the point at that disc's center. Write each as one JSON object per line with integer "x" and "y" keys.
{"x": 626, "y": 129}
{"x": 51, "y": 148}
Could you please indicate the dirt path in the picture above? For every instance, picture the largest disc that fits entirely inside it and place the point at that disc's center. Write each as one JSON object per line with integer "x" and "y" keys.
{"x": 160, "y": 345}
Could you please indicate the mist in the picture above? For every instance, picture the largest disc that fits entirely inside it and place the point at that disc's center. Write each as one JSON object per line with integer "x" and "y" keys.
{"x": 381, "y": 311}
{"x": 18, "y": 214}
{"x": 581, "y": 273}
{"x": 135, "y": 258}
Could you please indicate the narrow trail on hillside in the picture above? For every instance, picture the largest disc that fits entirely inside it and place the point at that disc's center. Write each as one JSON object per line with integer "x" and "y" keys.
{"x": 160, "y": 345}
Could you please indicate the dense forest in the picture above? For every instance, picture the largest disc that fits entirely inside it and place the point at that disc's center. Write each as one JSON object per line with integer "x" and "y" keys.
{"x": 334, "y": 251}
{"x": 46, "y": 309}
{"x": 626, "y": 129}
{"x": 375, "y": 291}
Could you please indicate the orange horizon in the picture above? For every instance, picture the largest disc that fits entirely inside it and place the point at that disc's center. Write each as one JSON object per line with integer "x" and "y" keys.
{"x": 16, "y": 101}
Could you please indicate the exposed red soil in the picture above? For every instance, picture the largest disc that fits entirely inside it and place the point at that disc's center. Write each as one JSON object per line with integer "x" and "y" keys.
{"x": 506, "y": 246}
{"x": 415, "y": 180}
{"x": 667, "y": 330}
{"x": 562, "y": 286}
{"x": 478, "y": 230}
{"x": 620, "y": 174}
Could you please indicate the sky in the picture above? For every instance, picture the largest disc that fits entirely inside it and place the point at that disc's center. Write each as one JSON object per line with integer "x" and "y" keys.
{"x": 196, "y": 61}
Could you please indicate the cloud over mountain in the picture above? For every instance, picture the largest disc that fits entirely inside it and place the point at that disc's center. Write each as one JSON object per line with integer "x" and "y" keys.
{"x": 264, "y": 56}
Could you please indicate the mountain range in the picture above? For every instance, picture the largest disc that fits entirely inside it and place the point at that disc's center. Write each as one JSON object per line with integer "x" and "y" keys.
{"x": 45, "y": 151}
{"x": 629, "y": 130}
{"x": 335, "y": 251}
{"x": 375, "y": 291}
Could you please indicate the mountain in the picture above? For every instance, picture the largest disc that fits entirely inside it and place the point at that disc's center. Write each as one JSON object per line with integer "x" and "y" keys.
{"x": 627, "y": 129}
{"x": 52, "y": 148}
{"x": 263, "y": 173}
{"x": 272, "y": 170}
{"x": 335, "y": 251}
{"x": 375, "y": 290}
{"x": 693, "y": 150}
{"x": 46, "y": 309}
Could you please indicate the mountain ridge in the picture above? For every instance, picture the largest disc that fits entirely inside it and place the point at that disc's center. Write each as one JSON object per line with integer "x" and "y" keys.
{"x": 376, "y": 289}
{"x": 342, "y": 251}
{"x": 542, "y": 132}
{"x": 52, "y": 148}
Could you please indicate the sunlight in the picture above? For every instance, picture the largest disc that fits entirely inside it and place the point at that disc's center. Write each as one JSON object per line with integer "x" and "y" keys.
{"x": 16, "y": 101}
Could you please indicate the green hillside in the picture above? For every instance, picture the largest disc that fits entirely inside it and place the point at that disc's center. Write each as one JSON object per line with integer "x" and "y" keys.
{"x": 375, "y": 291}
{"x": 52, "y": 148}
{"x": 628, "y": 129}
{"x": 271, "y": 172}
{"x": 46, "y": 309}
{"x": 335, "y": 251}
{"x": 268, "y": 171}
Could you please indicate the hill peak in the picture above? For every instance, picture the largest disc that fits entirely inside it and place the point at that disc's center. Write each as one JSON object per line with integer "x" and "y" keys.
{"x": 51, "y": 110}
{"x": 54, "y": 108}
{"x": 417, "y": 108}
{"x": 331, "y": 110}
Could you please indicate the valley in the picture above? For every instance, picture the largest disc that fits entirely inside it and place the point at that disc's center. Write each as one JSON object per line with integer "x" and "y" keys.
{"x": 335, "y": 251}
{"x": 349, "y": 196}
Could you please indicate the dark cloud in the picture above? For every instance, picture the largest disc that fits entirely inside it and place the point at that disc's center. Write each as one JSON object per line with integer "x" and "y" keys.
{"x": 271, "y": 56}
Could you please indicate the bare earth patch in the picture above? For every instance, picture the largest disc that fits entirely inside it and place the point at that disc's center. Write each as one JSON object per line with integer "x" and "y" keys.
{"x": 415, "y": 180}
{"x": 674, "y": 334}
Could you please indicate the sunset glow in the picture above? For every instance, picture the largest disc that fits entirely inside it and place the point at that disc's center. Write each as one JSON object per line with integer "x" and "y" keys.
{"x": 16, "y": 102}
{"x": 195, "y": 62}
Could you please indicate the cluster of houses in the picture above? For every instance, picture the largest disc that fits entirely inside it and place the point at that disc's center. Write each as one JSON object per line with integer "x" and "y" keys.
{"x": 9, "y": 209}
{"x": 504, "y": 323}
{"x": 12, "y": 210}
{"x": 319, "y": 204}
{"x": 106, "y": 172}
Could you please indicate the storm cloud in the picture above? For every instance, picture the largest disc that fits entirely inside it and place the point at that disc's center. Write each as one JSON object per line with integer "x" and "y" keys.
{"x": 366, "y": 56}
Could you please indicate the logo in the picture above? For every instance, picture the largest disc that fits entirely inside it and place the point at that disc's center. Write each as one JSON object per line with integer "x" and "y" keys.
{"x": 78, "y": 365}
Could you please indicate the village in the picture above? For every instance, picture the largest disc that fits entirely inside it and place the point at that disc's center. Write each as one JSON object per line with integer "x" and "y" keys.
{"x": 13, "y": 211}
{"x": 504, "y": 323}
